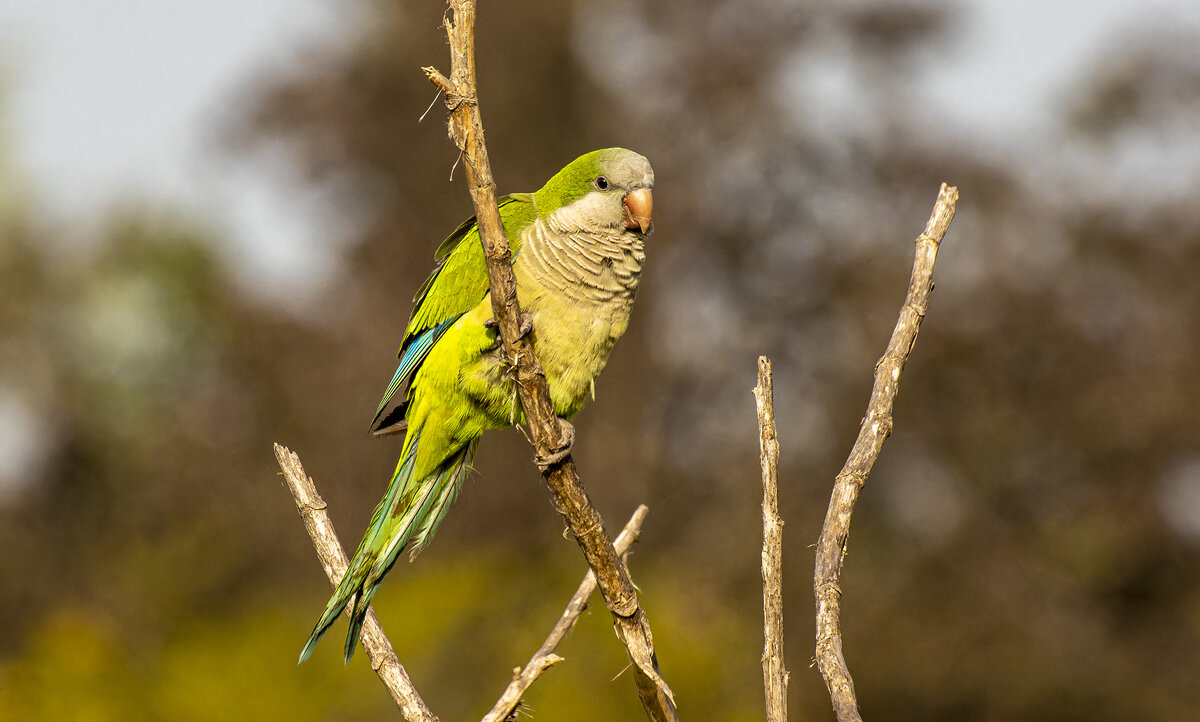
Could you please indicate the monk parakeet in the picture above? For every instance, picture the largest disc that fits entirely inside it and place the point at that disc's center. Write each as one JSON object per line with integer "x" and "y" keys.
{"x": 577, "y": 248}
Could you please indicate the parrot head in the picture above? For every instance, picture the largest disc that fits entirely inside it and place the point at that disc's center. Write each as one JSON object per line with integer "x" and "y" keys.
{"x": 609, "y": 188}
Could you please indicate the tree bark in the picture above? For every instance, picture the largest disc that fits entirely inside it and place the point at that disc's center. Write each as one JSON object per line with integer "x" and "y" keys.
{"x": 775, "y": 674}
{"x": 876, "y": 427}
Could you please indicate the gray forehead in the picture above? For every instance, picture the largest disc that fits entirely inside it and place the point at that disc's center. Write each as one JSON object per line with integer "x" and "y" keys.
{"x": 632, "y": 169}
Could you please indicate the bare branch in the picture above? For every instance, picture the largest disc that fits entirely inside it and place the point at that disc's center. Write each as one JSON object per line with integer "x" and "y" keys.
{"x": 544, "y": 657}
{"x": 333, "y": 558}
{"x": 547, "y": 432}
{"x": 775, "y": 674}
{"x": 876, "y": 427}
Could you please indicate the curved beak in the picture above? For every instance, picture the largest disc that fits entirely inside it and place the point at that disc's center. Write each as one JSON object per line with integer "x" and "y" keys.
{"x": 639, "y": 209}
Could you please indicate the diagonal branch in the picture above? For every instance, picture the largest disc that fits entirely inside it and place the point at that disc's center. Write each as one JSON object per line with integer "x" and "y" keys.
{"x": 775, "y": 674}
{"x": 333, "y": 558}
{"x": 548, "y": 434}
{"x": 545, "y": 658}
{"x": 876, "y": 427}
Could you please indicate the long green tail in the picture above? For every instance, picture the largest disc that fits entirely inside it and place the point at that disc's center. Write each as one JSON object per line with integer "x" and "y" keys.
{"x": 409, "y": 513}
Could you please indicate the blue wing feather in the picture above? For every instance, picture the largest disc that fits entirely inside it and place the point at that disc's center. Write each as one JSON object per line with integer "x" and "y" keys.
{"x": 456, "y": 285}
{"x": 411, "y": 357}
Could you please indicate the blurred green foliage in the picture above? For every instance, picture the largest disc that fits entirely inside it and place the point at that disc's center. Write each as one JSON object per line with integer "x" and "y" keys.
{"x": 1028, "y": 548}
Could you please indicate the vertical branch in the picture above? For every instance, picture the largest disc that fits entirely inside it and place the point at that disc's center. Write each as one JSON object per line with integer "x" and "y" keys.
{"x": 775, "y": 674}
{"x": 876, "y": 427}
{"x": 333, "y": 558}
{"x": 548, "y": 434}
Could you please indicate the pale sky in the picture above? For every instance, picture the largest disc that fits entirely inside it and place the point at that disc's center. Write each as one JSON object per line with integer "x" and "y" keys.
{"x": 112, "y": 101}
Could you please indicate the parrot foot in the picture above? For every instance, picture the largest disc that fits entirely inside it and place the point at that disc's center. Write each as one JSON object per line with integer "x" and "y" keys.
{"x": 562, "y": 451}
{"x": 525, "y": 326}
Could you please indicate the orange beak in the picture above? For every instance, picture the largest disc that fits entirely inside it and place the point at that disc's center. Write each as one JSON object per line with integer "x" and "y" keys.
{"x": 639, "y": 209}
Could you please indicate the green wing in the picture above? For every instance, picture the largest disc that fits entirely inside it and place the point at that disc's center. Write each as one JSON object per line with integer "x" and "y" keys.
{"x": 456, "y": 286}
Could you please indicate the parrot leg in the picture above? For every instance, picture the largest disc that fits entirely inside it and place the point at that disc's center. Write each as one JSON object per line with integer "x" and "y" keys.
{"x": 560, "y": 452}
{"x": 526, "y": 325}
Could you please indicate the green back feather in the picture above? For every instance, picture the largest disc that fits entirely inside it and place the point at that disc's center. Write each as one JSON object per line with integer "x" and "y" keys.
{"x": 460, "y": 280}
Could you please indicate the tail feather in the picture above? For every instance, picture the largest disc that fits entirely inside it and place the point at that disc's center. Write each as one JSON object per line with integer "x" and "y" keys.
{"x": 351, "y": 586}
{"x": 410, "y": 511}
{"x": 332, "y": 610}
{"x": 456, "y": 472}
{"x": 357, "y": 619}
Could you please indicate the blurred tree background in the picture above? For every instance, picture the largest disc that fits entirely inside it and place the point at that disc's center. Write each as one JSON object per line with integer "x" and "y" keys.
{"x": 1028, "y": 548}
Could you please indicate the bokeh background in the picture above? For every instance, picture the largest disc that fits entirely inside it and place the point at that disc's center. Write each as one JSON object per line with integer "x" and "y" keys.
{"x": 213, "y": 216}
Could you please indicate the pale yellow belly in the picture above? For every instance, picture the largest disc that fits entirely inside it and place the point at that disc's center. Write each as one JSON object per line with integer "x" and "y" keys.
{"x": 573, "y": 342}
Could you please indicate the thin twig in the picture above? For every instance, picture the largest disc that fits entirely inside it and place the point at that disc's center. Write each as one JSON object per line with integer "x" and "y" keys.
{"x": 876, "y": 427}
{"x": 585, "y": 523}
{"x": 775, "y": 674}
{"x": 544, "y": 657}
{"x": 333, "y": 558}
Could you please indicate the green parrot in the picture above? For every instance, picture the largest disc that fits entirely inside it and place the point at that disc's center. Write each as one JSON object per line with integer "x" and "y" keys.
{"x": 578, "y": 249}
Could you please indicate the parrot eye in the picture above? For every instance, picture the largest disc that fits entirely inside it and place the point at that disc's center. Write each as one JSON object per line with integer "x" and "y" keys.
{"x": 601, "y": 183}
